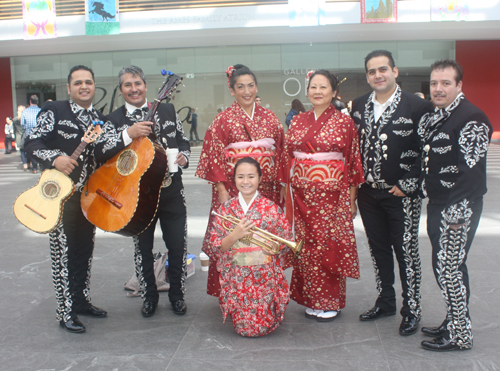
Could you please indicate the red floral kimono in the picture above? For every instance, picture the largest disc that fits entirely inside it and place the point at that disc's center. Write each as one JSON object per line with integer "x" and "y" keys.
{"x": 321, "y": 161}
{"x": 254, "y": 290}
{"x": 234, "y": 134}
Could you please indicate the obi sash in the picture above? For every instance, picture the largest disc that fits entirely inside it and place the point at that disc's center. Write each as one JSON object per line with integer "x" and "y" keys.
{"x": 318, "y": 167}
{"x": 245, "y": 255}
{"x": 262, "y": 150}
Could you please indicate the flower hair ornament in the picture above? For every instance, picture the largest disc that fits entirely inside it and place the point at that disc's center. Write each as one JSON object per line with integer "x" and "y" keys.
{"x": 229, "y": 72}
{"x": 308, "y": 77}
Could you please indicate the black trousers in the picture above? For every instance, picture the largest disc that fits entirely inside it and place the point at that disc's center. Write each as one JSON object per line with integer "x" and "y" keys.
{"x": 71, "y": 249}
{"x": 172, "y": 216}
{"x": 449, "y": 255}
{"x": 391, "y": 225}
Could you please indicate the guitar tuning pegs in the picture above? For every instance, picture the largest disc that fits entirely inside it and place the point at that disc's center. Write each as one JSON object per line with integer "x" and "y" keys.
{"x": 97, "y": 122}
{"x": 164, "y": 72}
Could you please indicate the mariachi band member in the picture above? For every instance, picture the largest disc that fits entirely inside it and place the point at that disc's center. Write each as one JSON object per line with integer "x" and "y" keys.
{"x": 58, "y": 132}
{"x": 387, "y": 120}
{"x": 129, "y": 122}
{"x": 455, "y": 141}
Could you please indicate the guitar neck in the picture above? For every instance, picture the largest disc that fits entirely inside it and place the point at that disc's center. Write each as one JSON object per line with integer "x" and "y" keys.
{"x": 151, "y": 113}
{"x": 78, "y": 150}
{"x": 150, "y": 117}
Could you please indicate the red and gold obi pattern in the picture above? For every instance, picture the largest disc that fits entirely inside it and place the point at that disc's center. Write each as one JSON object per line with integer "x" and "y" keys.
{"x": 254, "y": 290}
{"x": 318, "y": 167}
{"x": 229, "y": 131}
{"x": 320, "y": 183}
{"x": 261, "y": 150}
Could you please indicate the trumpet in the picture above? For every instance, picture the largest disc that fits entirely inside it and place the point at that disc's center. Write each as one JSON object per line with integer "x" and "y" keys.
{"x": 267, "y": 236}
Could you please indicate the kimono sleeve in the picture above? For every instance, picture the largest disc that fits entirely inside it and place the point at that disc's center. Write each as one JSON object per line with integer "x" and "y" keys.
{"x": 286, "y": 255}
{"x": 211, "y": 166}
{"x": 217, "y": 234}
{"x": 285, "y": 160}
{"x": 473, "y": 142}
{"x": 355, "y": 168}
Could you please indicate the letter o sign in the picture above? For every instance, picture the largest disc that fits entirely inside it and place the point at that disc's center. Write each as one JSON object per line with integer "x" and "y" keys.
{"x": 286, "y": 91}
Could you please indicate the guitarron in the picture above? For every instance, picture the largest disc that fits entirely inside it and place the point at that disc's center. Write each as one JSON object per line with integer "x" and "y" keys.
{"x": 122, "y": 195}
{"x": 40, "y": 208}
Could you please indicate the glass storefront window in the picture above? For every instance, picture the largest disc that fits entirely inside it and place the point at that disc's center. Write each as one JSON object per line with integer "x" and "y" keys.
{"x": 280, "y": 70}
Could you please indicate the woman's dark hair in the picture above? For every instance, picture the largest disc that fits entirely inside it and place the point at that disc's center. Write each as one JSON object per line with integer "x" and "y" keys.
{"x": 334, "y": 82}
{"x": 298, "y": 106}
{"x": 248, "y": 160}
{"x": 239, "y": 70}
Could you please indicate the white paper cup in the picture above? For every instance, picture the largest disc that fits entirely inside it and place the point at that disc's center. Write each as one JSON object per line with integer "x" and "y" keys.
{"x": 205, "y": 261}
{"x": 171, "y": 157}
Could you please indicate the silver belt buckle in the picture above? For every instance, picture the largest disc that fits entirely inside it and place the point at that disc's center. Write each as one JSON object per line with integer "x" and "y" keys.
{"x": 166, "y": 181}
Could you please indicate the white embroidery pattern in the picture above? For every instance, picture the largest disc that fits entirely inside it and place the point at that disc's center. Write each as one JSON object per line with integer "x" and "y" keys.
{"x": 441, "y": 136}
{"x": 409, "y": 185}
{"x": 447, "y": 184}
{"x": 473, "y": 142}
{"x": 68, "y": 123}
{"x": 405, "y": 167}
{"x": 67, "y": 135}
{"x": 458, "y": 212}
{"x": 442, "y": 150}
{"x": 409, "y": 153}
{"x": 450, "y": 279}
{"x": 403, "y": 120}
{"x": 449, "y": 169}
{"x": 403, "y": 133}
{"x": 366, "y": 143}
{"x": 357, "y": 115}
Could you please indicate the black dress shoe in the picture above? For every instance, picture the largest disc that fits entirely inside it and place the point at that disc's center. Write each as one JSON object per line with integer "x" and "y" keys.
{"x": 375, "y": 313}
{"x": 93, "y": 311}
{"x": 435, "y": 331}
{"x": 148, "y": 309}
{"x": 72, "y": 325}
{"x": 409, "y": 325}
{"x": 179, "y": 307}
{"x": 441, "y": 344}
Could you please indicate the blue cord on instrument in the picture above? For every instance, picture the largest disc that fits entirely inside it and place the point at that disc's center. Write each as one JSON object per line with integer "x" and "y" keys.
{"x": 164, "y": 73}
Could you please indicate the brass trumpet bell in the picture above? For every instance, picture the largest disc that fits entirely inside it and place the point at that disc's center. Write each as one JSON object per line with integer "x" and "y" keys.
{"x": 272, "y": 239}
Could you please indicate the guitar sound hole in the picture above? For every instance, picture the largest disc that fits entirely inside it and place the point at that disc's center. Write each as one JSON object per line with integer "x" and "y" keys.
{"x": 127, "y": 162}
{"x": 50, "y": 190}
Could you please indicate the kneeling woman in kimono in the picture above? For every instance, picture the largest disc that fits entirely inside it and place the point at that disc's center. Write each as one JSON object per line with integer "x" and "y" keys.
{"x": 254, "y": 289}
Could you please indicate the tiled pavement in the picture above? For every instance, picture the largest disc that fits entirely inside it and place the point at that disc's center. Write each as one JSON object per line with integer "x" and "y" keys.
{"x": 30, "y": 338}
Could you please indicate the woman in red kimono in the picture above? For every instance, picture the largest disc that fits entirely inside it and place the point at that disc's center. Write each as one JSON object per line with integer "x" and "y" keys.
{"x": 254, "y": 290}
{"x": 322, "y": 168}
{"x": 244, "y": 129}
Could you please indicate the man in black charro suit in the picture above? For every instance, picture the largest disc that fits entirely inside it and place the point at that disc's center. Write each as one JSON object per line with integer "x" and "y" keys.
{"x": 171, "y": 213}
{"x": 387, "y": 120}
{"x": 58, "y": 132}
{"x": 455, "y": 141}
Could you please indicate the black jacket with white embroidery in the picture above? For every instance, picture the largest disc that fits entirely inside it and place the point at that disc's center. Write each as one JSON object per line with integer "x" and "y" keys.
{"x": 455, "y": 142}
{"x": 168, "y": 128}
{"x": 390, "y": 147}
{"x": 59, "y": 131}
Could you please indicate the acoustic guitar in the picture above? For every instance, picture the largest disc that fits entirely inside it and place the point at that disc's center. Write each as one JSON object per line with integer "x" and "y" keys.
{"x": 122, "y": 195}
{"x": 40, "y": 208}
